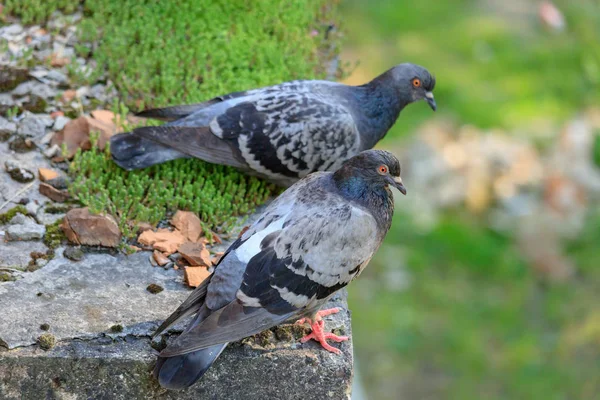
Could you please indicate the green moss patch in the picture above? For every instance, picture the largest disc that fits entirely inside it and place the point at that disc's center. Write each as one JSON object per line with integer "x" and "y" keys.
{"x": 7, "y": 216}
{"x": 216, "y": 193}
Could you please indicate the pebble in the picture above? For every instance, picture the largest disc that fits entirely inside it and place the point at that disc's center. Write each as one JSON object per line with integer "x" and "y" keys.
{"x": 57, "y": 76}
{"x": 7, "y": 128}
{"x": 73, "y": 253}
{"x": 32, "y": 126}
{"x": 28, "y": 230}
{"x": 18, "y": 173}
{"x": 60, "y": 122}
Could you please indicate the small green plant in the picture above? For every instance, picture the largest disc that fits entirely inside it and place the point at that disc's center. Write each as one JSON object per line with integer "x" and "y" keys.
{"x": 216, "y": 193}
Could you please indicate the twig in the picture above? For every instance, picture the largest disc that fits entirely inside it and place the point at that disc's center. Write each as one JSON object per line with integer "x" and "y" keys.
{"x": 20, "y": 192}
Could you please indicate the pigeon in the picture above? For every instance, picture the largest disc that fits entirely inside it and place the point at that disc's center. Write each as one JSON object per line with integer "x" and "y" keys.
{"x": 310, "y": 242}
{"x": 280, "y": 133}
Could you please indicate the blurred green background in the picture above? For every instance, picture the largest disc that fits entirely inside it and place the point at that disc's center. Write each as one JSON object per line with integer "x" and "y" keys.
{"x": 494, "y": 293}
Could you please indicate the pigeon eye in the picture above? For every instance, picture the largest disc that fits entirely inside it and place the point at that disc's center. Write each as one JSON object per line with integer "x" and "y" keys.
{"x": 382, "y": 170}
{"x": 416, "y": 82}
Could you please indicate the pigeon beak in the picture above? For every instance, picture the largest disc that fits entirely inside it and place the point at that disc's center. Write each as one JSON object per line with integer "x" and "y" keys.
{"x": 397, "y": 182}
{"x": 430, "y": 100}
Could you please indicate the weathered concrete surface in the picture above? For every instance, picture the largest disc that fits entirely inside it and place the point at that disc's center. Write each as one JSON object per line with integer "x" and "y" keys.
{"x": 82, "y": 301}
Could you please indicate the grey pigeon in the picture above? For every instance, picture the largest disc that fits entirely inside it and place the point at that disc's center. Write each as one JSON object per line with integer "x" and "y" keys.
{"x": 282, "y": 132}
{"x": 310, "y": 242}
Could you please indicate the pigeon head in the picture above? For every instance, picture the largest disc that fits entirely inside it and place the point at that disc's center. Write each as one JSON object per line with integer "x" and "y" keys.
{"x": 413, "y": 83}
{"x": 371, "y": 169}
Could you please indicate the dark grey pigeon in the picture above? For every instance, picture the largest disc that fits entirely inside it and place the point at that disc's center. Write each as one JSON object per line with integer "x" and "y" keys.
{"x": 282, "y": 132}
{"x": 310, "y": 242}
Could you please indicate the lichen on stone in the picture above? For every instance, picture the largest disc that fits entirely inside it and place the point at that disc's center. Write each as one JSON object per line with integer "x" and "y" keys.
{"x": 46, "y": 341}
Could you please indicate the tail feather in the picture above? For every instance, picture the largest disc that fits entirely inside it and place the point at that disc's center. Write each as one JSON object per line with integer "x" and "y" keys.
{"x": 181, "y": 372}
{"x": 130, "y": 151}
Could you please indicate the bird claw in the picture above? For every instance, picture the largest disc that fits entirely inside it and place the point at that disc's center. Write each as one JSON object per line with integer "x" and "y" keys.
{"x": 318, "y": 333}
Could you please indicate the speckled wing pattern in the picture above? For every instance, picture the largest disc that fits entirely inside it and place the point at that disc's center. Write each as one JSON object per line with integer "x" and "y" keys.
{"x": 291, "y": 129}
{"x": 309, "y": 243}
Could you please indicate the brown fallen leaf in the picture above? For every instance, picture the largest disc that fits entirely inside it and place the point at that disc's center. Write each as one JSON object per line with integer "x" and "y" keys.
{"x": 58, "y": 61}
{"x": 160, "y": 258}
{"x": 47, "y": 174}
{"x": 106, "y": 117}
{"x": 60, "y": 196}
{"x": 69, "y": 95}
{"x": 163, "y": 240}
{"x": 188, "y": 223}
{"x": 82, "y": 227}
{"x": 196, "y": 254}
{"x": 194, "y": 276}
{"x": 76, "y": 134}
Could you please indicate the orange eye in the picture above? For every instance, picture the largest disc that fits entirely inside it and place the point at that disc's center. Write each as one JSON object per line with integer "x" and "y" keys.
{"x": 383, "y": 169}
{"x": 416, "y": 82}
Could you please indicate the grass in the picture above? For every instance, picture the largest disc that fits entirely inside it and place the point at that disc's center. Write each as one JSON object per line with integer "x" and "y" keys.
{"x": 167, "y": 53}
{"x": 494, "y": 69}
{"x": 474, "y": 321}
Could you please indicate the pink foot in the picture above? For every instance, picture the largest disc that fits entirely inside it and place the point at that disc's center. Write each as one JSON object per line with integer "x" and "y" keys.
{"x": 318, "y": 330}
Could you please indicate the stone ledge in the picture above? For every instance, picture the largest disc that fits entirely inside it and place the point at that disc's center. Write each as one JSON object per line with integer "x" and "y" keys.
{"x": 81, "y": 301}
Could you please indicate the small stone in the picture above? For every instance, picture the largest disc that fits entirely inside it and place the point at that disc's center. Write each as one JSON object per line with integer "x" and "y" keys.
{"x": 60, "y": 183}
{"x": 82, "y": 227}
{"x": 68, "y": 95}
{"x": 10, "y": 78}
{"x": 163, "y": 240}
{"x": 52, "y": 151}
{"x": 21, "y": 145}
{"x": 35, "y": 88}
{"x": 60, "y": 122}
{"x": 154, "y": 288}
{"x": 52, "y": 193}
{"x": 27, "y": 231}
{"x": 46, "y": 341}
{"x": 194, "y": 276}
{"x": 20, "y": 219}
{"x": 32, "y": 126}
{"x": 160, "y": 258}
{"x": 196, "y": 254}
{"x": 46, "y": 174}
{"x": 58, "y": 61}
{"x": 32, "y": 208}
{"x": 57, "y": 76}
{"x": 17, "y": 173}
{"x": 188, "y": 224}
{"x": 74, "y": 253}
{"x": 7, "y": 129}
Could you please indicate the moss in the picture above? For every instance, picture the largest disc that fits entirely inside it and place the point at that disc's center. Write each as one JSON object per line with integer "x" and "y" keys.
{"x": 291, "y": 332}
{"x": 218, "y": 194}
{"x": 154, "y": 288}
{"x": 37, "y": 11}
{"x": 46, "y": 341}
{"x": 45, "y": 327}
{"x": 33, "y": 264}
{"x": 6, "y": 277}
{"x": 116, "y": 328}
{"x": 54, "y": 235}
{"x": 264, "y": 338}
{"x": 57, "y": 209}
{"x": 7, "y": 216}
